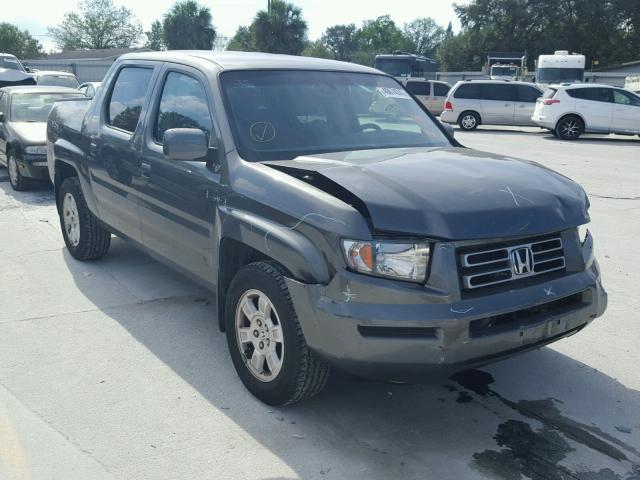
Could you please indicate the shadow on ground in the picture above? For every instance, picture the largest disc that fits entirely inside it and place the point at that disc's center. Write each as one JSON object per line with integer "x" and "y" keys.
{"x": 411, "y": 431}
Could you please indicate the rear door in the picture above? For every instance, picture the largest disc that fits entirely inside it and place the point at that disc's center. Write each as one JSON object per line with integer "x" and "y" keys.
{"x": 178, "y": 198}
{"x": 527, "y": 96}
{"x": 626, "y": 112}
{"x": 421, "y": 89}
{"x": 498, "y": 103}
{"x": 114, "y": 154}
{"x": 595, "y": 105}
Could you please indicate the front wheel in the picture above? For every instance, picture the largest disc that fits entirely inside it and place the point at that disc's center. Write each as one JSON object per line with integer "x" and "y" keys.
{"x": 570, "y": 128}
{"x": 265, "y": 339}
{"x": 16, "y": 179}
{"x": 85, "y": 238}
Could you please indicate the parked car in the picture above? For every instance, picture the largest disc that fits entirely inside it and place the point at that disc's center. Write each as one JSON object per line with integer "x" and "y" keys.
{"x": 11, "y": 62}
{"x": 569, "y": 110}
{"x": 431, "y": 93}
{"x": 12, "y": 77}
{"x": 472, "y": 103}
{"x": 23, "y": 124}
{"x": 56, "y": 79}
{"x": 330, "y": 238}
{"x": 89, "y": 88}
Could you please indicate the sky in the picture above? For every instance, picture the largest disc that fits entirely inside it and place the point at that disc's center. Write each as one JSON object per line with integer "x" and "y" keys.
{"x": 228, "y": 15}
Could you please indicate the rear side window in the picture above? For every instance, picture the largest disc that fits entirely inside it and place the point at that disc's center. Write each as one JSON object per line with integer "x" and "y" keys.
{"x": 440, "y": 90}
{"x": 418, "y": 88}
{"x": 549, "y": 93}
{"x": 528, "y": 94}
{"x": 595, "y": 94}
{"x": 498, "y": 92}
{"x": 183, "y": 105}
{"x": 127, "y": 97}
{"x": 468, "y": 91}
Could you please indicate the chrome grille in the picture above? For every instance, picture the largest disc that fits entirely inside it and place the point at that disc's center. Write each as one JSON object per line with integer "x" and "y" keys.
{"x": 494, "y": 265}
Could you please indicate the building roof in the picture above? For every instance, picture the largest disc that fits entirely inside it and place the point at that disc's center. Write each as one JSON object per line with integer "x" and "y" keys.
{"x": 619, "y": 66}
{"x": 103, "y": 54}
{"x": 251, "y": 60}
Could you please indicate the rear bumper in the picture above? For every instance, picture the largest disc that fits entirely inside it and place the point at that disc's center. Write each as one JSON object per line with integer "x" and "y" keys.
{"x": 448, "y": 116}
{"x": 379, "y": 329}
{"x": 34, "y": 166}
{"x": 544, "y": 121}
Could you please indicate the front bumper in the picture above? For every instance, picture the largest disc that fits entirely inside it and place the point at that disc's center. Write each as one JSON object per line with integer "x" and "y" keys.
{"x": 384, "y": 329}
{"x": 34, "y": 166}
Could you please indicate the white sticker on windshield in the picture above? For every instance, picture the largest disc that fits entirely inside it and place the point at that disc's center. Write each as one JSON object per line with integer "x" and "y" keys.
{"x": 393, "y": 92}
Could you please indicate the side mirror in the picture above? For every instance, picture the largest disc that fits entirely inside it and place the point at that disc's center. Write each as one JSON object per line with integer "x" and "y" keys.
{"x": 28, "y": 70}
{"x": 185, "y": 144}
{"x": 448, "y": 128}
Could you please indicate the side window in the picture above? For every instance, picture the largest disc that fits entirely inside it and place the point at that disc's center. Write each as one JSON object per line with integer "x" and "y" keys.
{"x": 418, "y": 88}
{"x": 183, "y": 104}
{"x": 594, "y": 94}
{"x": 440, "y": 90}
{"x": 528, "y": 94}
{"x": 468, "y": 91}
{"x": 3, "y": 103}
{"x": 621, "y": 97}
{"x": 499, "y": 92}
{"x": 127, "y": 97}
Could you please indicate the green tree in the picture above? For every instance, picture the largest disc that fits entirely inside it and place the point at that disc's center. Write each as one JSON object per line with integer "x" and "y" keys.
{"x": 280, "y": 30}
{"x": 424, "y": 35}
{"x": 242, "y": 41}
{"x": 341, "y": 41}
{"x": 188, "y": 25}
{"x": 97, "y": 24}
{"x": 155, "y": 37}
{"x": 382, "y": 36}
{"x": 18, "y": 42}
{"x": 317, "y": 49}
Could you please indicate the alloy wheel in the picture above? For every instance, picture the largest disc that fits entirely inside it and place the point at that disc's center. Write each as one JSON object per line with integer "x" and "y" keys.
{"x": 71, "y": 219}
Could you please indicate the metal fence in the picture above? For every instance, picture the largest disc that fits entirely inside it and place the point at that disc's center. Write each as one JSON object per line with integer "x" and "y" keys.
{"x": 607, "y": 78}
{"x": 85, "y": 70}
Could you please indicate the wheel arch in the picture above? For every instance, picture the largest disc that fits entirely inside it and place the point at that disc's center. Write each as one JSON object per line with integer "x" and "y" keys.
{"x": 572, "y": 114}
{"x": 62, "y": 171}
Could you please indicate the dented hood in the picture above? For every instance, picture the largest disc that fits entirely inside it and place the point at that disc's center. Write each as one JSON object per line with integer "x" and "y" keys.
{"x": 449, "y": 193}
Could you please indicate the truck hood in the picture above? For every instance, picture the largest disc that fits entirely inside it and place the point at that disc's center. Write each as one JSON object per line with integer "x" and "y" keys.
{"x": 31, "y": 133}
{"x": 448, "y": 193}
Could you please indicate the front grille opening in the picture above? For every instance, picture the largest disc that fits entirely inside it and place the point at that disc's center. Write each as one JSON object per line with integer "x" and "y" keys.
{"x": 521, "y": 318}
{"x": 483, "y": 266}
{"x": 398, "y": 332}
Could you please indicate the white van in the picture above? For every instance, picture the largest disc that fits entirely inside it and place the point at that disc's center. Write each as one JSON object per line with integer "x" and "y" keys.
{"x": 632, "y": 83}
{"x": 561, "y": 67}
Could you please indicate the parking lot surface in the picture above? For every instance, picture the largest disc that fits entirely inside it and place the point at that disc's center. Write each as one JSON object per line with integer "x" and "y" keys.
{"x": 116, "y": 369}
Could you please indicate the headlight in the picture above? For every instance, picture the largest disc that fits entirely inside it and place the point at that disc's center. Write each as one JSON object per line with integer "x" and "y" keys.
{"x": 583, "y": 231}
{"x": 402, "y": 261}
{"x": 36, "y": 149}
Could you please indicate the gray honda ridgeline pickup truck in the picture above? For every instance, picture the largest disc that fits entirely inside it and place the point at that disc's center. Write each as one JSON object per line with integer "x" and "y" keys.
{"x": 333, "y": 237}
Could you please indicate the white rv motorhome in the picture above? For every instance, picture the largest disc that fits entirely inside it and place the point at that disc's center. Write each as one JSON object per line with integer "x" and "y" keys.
{"x": 561, "y": 67}
{"x": 633, "y": 84}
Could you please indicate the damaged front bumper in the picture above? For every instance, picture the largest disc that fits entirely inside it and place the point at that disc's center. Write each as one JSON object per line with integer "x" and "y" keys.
{"x": 391, "y": 330}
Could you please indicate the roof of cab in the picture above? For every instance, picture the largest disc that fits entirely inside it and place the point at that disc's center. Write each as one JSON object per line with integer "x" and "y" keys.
{"x": 250, "y": 60}
{"x": 39, "y": 89}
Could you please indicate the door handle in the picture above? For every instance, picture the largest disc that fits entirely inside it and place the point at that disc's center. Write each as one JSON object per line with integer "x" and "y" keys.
{"x": 145, "y": 169}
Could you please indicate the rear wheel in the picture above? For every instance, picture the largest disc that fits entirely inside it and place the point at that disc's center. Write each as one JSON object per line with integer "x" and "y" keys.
{"x": 17, "y": 180}
{"x": 570, "y": 128}
{"x": 265, "y": 339}
{"x": 85, "y": 238}
{"x": 469, "y": 121}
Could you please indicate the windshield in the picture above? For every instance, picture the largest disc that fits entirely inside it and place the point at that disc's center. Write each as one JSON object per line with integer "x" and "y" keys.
{"x": 58, "y": 81}
{"x": 552, "y": 75}
{"x": 396, "y": 67}
{"x": 504, "y": 71}
{"x": 35, "y": 107}
{"x": 10, "y": 63}
{"x": 280, "y": 115}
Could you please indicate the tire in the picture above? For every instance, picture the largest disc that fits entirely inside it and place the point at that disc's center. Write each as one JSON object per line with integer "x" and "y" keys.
{"x": 85, "y": 238}
{"x": 554, "y": 133}
{"x": 297, "y": 373}
{"x": 469, "y": 121}
{"x": 570, "y": 128}
{"x": 18, "y": 182}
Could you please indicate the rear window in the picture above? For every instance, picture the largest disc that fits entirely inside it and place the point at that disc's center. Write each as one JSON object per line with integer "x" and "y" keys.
{"x": 58, "y": 81}
{"x": 594, "y": 94}
{"x": 127, "y": 97}
{"x": 549, "y": 93}
{"x": 440, "y": 90}
{"x": 468, "y": 90}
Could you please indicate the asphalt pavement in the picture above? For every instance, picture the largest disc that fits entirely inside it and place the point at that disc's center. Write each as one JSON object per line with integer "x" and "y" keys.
{"x": 116, "y": 370}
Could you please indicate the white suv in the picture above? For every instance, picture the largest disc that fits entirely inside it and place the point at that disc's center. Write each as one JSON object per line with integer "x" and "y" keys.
{"x": 569, "y": 110}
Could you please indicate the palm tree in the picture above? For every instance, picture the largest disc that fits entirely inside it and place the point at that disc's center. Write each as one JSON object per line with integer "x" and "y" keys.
{"x": 281, "y": 29}
{"x": 188, "y": 26}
